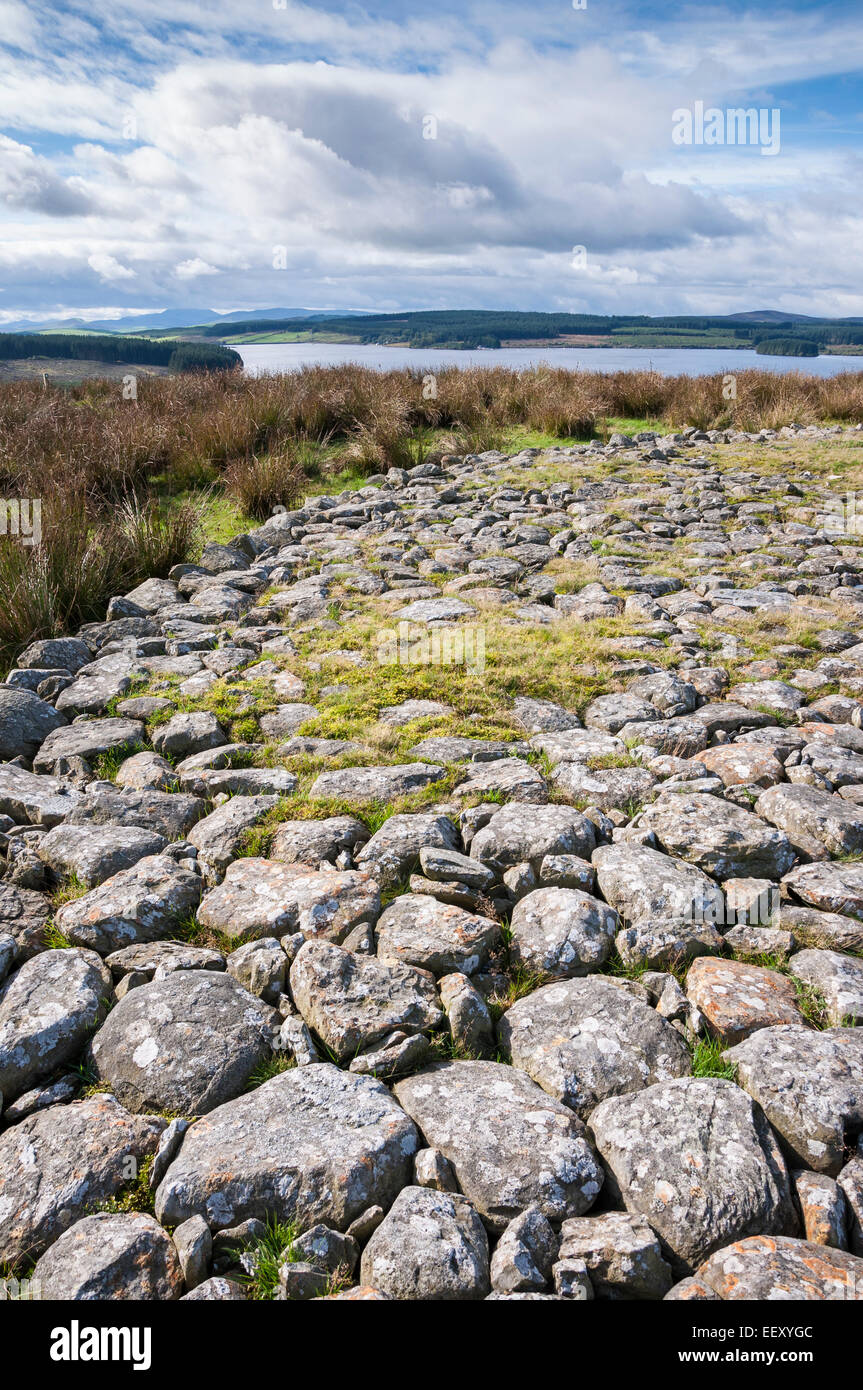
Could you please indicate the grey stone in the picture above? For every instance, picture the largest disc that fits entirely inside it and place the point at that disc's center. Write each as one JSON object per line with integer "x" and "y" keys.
{"x": 525, "y": 1254}
{"x": 420, "y": 931}
{"x": 89, "y": 739}
{"x": 186, "y": 1043}
{"x": 395, "y": 848}
{"x": 807, "y": 814}
{"x": 170, "y": 814}
{"x": 585, "y": 1040}
{"x": 260, "y": 967}
{"x": 645, "y": 885}
{"x": 59, "y": 1164}
{"x": 430, "y": 1245}
{"x": 94, "y": 853}
{"x": 25, "y": 721}
{"x": 518, "y": 834}
{"x": 111, "y": 1256}
{"x": 262, "y": 897}
{"x": 621, "y": 1252}
{"x": 140, "y": 904}
{"x": 47, "y": 1010}
{"x": 219, "y": 836}
{"x": 352, "y": 1002}
{"x": 310, "y": 841}
{"x": 382, "y": 784}
{"x": 722, "y": 839}
{"x": 810, "y": 1087}
{"x": 511, "y": 1146}
{"x": 562, "y": 932}
{"x": 698, "y": 1160}
{"x": 313, "y": 1144}
{"x": 28, "y": 798}
{"x": 838, "y": 978}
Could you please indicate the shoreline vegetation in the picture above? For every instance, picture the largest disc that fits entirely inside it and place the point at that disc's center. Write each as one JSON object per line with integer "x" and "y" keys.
{"x": 129, "y": 488}
{"x": 474, "y": 329}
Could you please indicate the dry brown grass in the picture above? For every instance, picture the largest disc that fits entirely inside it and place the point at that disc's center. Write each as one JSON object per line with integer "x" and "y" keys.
{"x": 87, "y": 452}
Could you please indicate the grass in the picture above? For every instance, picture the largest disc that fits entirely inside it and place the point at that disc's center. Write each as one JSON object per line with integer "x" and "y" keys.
{"x": 127, "y": 491}
{"x": 521, "y": 983}
{"x": 70, "y": 889}
{"x": 274, "y": 1248}
{"x": 53, "y": 939}
{"x": 812, "y": 1004}
{"x": 136, "y": 1195}
{"x": 265, "y": 1071}
{"x": 707, "y": 1060}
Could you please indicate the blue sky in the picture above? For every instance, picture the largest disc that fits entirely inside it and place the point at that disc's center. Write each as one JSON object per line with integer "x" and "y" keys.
{"x": 246, "y": 153}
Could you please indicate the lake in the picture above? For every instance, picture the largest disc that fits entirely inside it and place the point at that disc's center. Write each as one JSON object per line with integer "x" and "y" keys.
{"x": 259, "y": 358}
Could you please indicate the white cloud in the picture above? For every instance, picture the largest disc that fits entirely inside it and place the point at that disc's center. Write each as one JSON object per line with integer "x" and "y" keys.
{"x": 108, "y": 268}
{"x": 241, "y": 151}
{"x": 191, "y": 269}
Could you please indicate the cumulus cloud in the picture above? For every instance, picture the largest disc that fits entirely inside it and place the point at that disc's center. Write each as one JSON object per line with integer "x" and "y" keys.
{"x": 306, "y": 156}
{"x": 108, "y": 268}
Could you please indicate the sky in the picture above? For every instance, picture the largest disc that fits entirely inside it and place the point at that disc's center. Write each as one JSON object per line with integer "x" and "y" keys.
{"x": 243, "y": 154}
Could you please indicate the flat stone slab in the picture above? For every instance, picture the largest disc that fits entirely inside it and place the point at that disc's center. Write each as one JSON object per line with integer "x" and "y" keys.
{"x": 89, "y": 739}
{"x": 462, "y": 750}
{"x": 146, "y": 958}
{"x": 263, "y": 897}
{"x": 585, "y": 1040}
{"x": 394, "y": 850}
{"x": 808, "y": 814}
{"x": 144, "y": 903}
{"x": 420, "y": 931}
{"x": 511, "y": 1145}
{"x": 737, "y": 999}
{"x": 839, "y": 978}
{"x": 512, "y": 777}
{"x": 170, "y": 814}
{"x": 25, "y": 722}
{"x": 717, "y": 836}
{"x": 352, "y": 1001}
{"x": 108, "y": 1256}
{"x": 47, "y": 1010}
{"x": 431, "y": 1246}
{"x": 614, "y": 788}
{"x": 61, "y": 653}
{"x": 519, "y": 834}
{"x": 218, "y": 837}
{"x": 57, "y": 1165}
{"x": 778, "y": 1269}
{"x": 314, "y": 1144}
{"x": 93, "y": 853}
{"x": 376, "y": 783}
{"x": 644, "y": 884}
{"x": 836, "y": 888}
{"x": 310, "y": 841}
{"x": 183, "y": 1044}
{"x": 578, "y": 745}
{"x": 698, "y": 1160}
{"x": 33, "y": 800}
{"x": 810, "y": 1087}
{"x": 435, "y": 610}
{"x": 562, "y": 931}
{"x": 408, "y": 710}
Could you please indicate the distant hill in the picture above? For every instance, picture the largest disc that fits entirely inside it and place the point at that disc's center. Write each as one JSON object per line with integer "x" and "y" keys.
{"x": 167, "y": 319}
{"x": 490, "y": 328}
